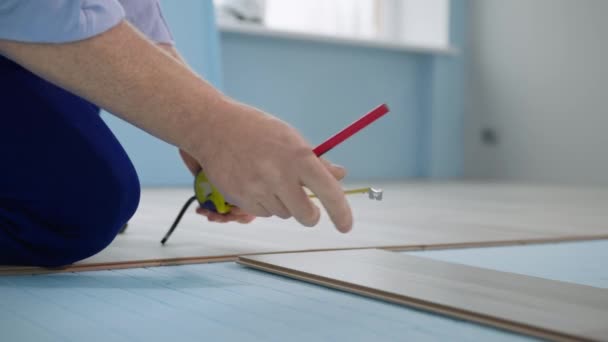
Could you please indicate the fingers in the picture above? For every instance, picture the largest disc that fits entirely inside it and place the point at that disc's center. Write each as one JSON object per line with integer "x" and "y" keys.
{"x": 190, "y": 162}
{"x": 236, "y": 215}
{"x": 337, "y": 171}
{"x": 213, "y": 216}
{"x": 256, "y": 209}
{"x": 274, "y": 206}
{"x": 245, "y": 219}
{"x": 321, "y": 182}
{"x": 291, "y": 200}
{"x": 239, "y": 212}
{"x": 300, "y": 206}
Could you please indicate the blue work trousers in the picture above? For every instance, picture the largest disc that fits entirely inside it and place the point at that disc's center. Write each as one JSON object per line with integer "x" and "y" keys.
{"x": 66, "y": 184}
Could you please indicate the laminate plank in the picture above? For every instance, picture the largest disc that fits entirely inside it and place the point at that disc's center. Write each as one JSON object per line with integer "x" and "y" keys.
{"x": 535, "y": 306}
{"x": 574, "y": 262}
{"x": 412, "y": 216}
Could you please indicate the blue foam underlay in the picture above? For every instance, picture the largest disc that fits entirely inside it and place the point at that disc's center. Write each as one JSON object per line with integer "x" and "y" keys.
{"x": 225, "y": 301}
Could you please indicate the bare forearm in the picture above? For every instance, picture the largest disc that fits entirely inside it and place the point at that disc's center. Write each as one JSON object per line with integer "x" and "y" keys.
{"x": 170, "y": 49}
{"x": 126, "y": 74}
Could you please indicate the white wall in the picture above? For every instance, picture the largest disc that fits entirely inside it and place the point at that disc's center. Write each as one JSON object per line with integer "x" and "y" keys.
{"x": 539, "y": 76}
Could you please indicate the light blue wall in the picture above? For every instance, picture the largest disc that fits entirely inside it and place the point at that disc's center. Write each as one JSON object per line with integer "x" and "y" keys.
{"x": 445, "y": 110}
{"x": 319, "y": 88}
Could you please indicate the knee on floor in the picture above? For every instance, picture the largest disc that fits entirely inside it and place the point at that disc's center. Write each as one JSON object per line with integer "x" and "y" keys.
{"x": 98, "y": 220}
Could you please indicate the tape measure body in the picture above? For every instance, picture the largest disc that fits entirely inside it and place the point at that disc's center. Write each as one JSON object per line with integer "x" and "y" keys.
{"x": 208, "y": 196}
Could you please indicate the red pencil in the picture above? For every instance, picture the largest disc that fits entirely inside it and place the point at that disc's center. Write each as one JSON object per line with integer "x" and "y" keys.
{"x": 351, "y": 130}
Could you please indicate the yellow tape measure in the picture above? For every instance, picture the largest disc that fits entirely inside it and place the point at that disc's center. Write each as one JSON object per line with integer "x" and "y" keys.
{"x": 208, "y": 196}
{"x": 211, "y": 199}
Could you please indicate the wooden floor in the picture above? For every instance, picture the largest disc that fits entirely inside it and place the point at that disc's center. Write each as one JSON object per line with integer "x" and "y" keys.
{"x": 412, "y": 216}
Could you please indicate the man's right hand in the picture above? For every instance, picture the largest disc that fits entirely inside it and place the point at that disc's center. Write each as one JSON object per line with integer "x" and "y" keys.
{"x": 260, "y": 164}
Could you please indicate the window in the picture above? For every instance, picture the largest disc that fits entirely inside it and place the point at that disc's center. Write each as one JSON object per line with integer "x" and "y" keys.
{"x": 420, "y": 22}
{"x": 334, "y": 17}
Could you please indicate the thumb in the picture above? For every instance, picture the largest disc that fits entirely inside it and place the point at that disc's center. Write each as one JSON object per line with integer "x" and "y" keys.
{"x": 190, "y": 162}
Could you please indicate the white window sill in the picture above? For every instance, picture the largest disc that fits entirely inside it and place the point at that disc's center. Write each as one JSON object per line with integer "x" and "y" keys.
{"x": 261, "y": 31}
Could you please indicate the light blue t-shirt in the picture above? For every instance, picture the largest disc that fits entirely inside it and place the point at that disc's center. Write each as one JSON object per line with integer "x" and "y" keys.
{"x": 61, "y": 21}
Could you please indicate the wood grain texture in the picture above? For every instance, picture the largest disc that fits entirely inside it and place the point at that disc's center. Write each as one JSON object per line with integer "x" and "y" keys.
{"x": 534, "y": 306}
{"x": 413, "y": 216}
